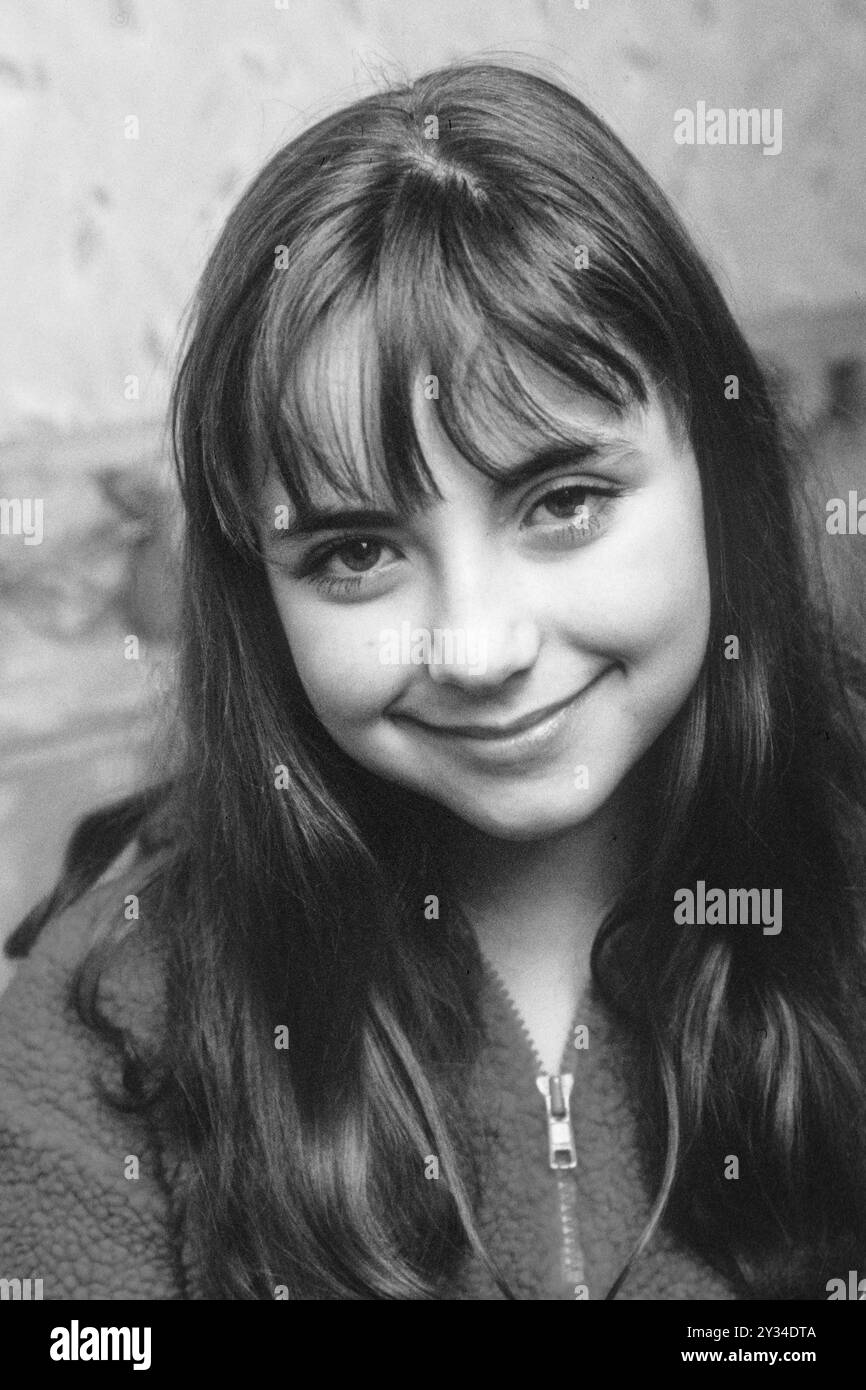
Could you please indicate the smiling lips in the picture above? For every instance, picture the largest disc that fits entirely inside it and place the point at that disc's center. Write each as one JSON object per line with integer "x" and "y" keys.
{"x": 503, "y": 732}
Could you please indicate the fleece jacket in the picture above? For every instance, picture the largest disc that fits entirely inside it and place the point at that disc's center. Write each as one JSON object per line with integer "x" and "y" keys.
{"x": 92, "y": 1199}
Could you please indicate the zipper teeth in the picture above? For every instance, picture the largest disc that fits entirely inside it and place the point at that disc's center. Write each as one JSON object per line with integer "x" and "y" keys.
{"x": 562, "y": 1158}
{"x": 573, "y": 1267}
{"x": 573, "y": 1271}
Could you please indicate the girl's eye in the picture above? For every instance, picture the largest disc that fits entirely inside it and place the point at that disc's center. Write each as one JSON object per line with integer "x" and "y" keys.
{"x": 359, "y": 555}
{"x": 349, "y": 563}
{"x": 577, "y": 508}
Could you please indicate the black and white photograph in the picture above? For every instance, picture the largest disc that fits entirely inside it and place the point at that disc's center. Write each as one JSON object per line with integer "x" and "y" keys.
{"x": 433, "y": 663}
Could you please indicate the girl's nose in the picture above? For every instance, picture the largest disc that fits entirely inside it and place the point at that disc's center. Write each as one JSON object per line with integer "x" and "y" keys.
{"x": 483, "y": 634}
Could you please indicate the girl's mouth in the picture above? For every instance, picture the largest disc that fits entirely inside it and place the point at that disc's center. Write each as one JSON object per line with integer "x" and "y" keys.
{"x": 504, "y": 742}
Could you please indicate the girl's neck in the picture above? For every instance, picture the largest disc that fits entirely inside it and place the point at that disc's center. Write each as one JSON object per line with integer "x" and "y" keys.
{"x": 581, "y": 868}
{"x": 536, "y": 907}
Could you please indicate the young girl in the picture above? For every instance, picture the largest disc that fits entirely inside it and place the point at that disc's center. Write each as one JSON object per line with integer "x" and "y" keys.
{"x": 496, "y": 931}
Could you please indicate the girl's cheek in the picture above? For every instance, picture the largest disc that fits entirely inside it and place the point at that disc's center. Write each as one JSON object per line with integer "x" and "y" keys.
{"x": 673, "y": 622}
{"x": 637, "y": 584}
{"x": 337, "y": 651}
{"x": 663, "y": 555}
{"x": 648, "y": 599}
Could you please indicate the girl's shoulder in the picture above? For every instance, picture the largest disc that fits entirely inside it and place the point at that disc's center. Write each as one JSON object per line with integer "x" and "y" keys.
{"x": 83, "y": 1204}
{"x": 128, "y": 977}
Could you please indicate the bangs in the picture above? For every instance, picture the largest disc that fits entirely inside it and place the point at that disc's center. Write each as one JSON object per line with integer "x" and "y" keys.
{"x": 447, "y": 311}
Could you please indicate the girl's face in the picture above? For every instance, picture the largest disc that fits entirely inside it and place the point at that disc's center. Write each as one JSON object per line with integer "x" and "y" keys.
{"x": 512, "y": 650}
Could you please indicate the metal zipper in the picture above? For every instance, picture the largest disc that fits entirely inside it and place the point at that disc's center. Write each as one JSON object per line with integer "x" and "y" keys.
{"x": 560, "y": 1134}
{"x": 562, "y": 1157}
{"x": 562, "y": 1153}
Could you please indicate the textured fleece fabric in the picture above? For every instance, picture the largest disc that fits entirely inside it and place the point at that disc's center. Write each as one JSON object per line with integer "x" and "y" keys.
{"x": 71, "y": 1215}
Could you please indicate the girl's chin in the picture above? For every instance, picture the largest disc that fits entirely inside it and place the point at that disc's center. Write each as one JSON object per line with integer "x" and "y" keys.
{"x": 522, "y": 822}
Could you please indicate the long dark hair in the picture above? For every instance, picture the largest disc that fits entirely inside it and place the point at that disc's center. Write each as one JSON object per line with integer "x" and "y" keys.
{"x": 477, "y": 213}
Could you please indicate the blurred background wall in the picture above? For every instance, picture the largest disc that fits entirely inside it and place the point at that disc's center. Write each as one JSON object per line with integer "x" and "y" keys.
{"x": 129, "y": 128}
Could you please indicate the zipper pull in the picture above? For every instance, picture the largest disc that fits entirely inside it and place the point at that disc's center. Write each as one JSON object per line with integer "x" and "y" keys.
{"x": 560, "y": 1135}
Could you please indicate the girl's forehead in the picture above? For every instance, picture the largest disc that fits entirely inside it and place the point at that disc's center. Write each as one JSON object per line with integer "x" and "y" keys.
{"x": 338, "y": 372}
{"x": 506, "y": 403}
{"x": 542, "y": 402}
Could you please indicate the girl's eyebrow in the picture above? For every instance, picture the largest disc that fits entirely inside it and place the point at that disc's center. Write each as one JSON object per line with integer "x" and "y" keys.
{"x": 578, "y": 449}
{"x": 310, "y": 520}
